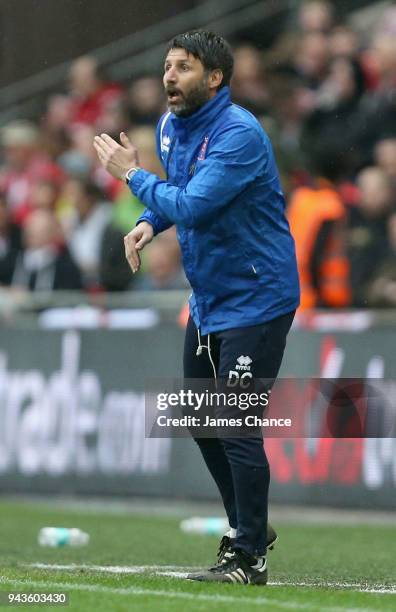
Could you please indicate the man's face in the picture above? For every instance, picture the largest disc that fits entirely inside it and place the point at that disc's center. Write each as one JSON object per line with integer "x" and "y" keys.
{"x": 185, "y": 82}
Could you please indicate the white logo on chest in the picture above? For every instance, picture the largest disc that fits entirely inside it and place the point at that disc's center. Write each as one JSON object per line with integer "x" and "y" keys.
{"x": 165, "y": 144}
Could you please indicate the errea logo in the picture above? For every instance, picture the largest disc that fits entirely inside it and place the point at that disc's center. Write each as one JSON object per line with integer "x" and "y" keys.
{"x": 165, "y": 143}
{"x": 242, "y": 375}
{"x": 243, "y": 363}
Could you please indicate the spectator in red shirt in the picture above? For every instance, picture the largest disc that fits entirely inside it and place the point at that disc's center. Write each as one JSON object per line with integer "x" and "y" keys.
{"x": 91, "y": 94}
{"x": 25, "y": 164}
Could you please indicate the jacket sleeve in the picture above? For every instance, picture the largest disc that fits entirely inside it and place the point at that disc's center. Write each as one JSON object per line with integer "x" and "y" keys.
{"x": 236, "y": 157}
{"x": 158, "y": 223}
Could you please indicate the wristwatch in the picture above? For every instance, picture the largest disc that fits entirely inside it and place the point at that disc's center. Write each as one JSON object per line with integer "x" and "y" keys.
{"x": 130, "y": 174}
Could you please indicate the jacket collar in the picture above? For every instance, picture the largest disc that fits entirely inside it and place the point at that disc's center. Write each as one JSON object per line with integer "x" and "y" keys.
{"x": 204, "y": 116}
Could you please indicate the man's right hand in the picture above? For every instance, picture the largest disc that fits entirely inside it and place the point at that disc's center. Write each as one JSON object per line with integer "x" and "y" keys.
{"x": 135, "y": 241}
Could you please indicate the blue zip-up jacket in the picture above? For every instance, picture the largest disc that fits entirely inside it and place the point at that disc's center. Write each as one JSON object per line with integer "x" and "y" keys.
{"x": 223, "y": 194}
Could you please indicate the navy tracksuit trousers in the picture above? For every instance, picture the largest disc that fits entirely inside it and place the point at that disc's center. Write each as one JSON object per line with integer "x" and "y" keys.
{"x": 239, "y": 466}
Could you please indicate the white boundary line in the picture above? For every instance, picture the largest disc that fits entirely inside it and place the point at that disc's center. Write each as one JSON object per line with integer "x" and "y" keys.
{"x": 175, "y": 571}
{"x": 114, "y": 569}
{"x": 215, "y": 599}
{"x": 349, "y": 586}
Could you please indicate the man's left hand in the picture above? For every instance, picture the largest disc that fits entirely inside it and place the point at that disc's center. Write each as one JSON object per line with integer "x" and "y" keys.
{"x": 116, "y": 158}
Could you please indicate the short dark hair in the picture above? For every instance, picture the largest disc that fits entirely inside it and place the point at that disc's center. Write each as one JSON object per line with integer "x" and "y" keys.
{"x": 212, "y": 50}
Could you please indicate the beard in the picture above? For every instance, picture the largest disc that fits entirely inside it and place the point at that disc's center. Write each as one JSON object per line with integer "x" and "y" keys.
{"x": 192, "y": 101}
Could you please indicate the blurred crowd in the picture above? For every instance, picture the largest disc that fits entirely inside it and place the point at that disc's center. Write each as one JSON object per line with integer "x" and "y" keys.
{"x": 326, "y": 94}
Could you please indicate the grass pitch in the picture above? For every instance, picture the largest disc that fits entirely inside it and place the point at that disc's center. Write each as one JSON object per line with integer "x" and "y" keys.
{"x": 136, "y": 562}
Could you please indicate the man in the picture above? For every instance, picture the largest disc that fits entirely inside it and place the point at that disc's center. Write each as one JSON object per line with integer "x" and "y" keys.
{"x": 223, "y": 194}
{"x": 317, "y": 218}
{"x": 45, "y": 263}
